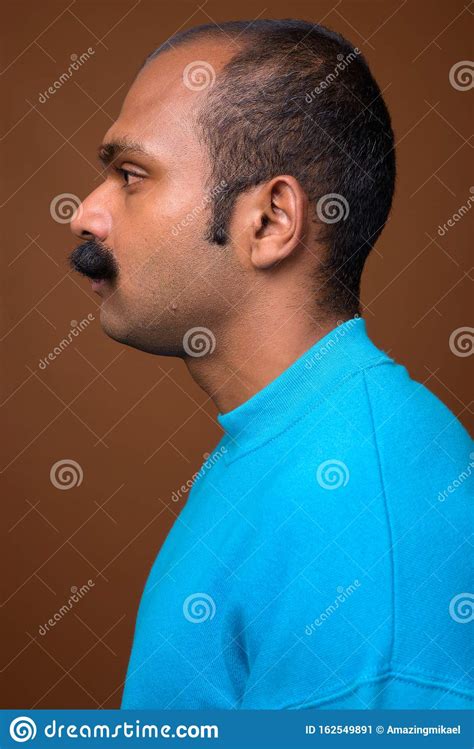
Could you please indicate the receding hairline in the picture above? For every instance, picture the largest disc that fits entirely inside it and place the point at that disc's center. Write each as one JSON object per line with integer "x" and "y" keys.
{"x": 199, "y": 34}
{"x": 247, "y": 30}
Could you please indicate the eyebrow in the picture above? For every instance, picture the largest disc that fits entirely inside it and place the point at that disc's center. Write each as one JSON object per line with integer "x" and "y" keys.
{"x": 109, "y": 152}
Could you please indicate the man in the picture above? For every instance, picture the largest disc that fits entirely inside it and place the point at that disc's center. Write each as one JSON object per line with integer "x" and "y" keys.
{"x": 248, "y": 175}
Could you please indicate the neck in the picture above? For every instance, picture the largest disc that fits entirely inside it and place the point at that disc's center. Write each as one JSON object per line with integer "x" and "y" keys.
{"x": 253, "y": 352}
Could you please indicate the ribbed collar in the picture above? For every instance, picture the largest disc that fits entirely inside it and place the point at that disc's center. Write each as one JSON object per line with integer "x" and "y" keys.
{"x": 343, "y": 351}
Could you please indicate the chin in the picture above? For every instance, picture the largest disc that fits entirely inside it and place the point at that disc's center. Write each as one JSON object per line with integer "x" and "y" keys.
{"x": 118, "y": 329}
{"x": 123, "y": 331}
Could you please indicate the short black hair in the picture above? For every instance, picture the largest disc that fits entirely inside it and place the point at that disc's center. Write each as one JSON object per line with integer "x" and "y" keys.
{"x": 299, "y": 99}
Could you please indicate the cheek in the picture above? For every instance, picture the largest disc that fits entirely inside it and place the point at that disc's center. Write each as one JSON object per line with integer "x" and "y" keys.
{"x": 158, "y": 236}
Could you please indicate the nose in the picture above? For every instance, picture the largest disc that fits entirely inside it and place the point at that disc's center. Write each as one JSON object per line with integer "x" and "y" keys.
{"x": 92, "y": 220}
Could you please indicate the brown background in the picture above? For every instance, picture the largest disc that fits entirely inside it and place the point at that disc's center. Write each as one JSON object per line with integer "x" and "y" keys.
{"x": 138, "y": 425}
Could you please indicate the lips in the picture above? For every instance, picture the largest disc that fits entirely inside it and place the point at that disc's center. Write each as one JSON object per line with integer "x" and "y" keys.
{"x": 97, "y": 284}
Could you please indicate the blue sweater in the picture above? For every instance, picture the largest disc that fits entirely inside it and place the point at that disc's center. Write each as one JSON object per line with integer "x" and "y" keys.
{"x": 322, "y": 557}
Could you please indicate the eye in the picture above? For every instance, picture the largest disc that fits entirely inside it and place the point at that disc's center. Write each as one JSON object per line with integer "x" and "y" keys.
{"x": 131, "y": 178}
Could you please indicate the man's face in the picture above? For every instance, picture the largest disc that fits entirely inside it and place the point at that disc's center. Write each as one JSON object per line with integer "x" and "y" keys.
{"x": 164, "y": 277}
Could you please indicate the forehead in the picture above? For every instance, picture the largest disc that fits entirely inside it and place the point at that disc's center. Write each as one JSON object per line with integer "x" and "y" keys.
{"x": 159, "y": 107}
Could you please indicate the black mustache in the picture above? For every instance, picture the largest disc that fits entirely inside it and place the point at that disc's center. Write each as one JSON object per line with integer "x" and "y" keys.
{"x": 94, "y": 260}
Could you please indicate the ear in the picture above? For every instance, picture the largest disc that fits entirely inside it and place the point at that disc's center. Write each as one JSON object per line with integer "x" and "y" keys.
{"x": 278, "y": 214}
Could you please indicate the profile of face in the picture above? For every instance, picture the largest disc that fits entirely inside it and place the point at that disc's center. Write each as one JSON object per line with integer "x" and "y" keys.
{"x": 307, "y": 185}
{"x": 143, "y": 228}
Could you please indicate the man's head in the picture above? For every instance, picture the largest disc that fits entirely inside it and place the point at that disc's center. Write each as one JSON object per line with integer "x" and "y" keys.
{"x": 252, "y": 165}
